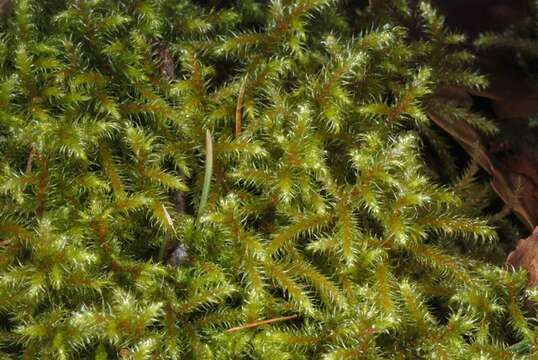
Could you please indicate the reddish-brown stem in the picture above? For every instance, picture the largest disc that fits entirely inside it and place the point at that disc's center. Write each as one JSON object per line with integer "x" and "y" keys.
{"x": 260, "y": 323}
{"x": 239, "y": 108}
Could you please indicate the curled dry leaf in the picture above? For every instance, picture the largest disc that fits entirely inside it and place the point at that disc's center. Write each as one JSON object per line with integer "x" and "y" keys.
{"x": 526, "y": 256}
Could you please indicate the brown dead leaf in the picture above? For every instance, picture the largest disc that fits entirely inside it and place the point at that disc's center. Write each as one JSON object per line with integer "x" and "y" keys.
{"x": 526, "y": 256}
{"x": 513, "y": 108}
{"x": 512, "y": 174}
{"x": 510, "y": 158}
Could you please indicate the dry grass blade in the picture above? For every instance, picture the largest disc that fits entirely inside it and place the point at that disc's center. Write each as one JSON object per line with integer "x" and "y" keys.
{"x": 208, "y": 173}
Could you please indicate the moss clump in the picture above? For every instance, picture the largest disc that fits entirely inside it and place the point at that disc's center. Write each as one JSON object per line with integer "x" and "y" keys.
{"x": 319, "y": 205}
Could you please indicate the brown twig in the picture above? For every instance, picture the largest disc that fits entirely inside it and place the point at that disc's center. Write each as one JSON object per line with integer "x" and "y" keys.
{"x": 260, "y": 323}
{"x": 239, "y": 108}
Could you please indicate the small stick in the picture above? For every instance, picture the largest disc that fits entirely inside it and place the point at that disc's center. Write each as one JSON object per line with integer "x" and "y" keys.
{"x": 259, "y": 323}
{"x": 239, "y": 108}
